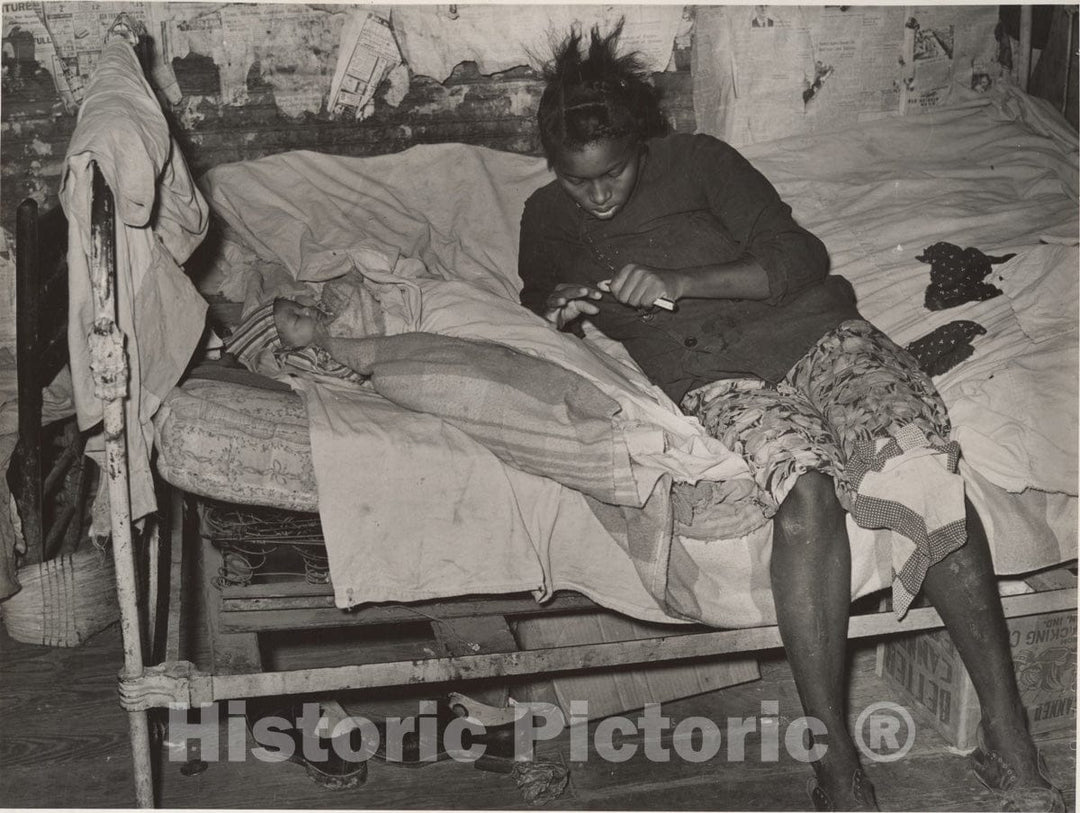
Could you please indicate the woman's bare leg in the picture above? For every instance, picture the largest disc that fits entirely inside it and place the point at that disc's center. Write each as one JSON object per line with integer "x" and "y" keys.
{"x": 811, "y": 583}
{"x": 963, "y": 589}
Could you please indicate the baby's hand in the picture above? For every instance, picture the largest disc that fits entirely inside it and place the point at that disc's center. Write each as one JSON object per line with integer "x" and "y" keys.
{"x": 569, "y": 301}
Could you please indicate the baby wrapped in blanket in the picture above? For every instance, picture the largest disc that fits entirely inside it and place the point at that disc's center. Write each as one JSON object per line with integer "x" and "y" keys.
{"x": 280, "y": 335}
{"x": 533, "y": 414}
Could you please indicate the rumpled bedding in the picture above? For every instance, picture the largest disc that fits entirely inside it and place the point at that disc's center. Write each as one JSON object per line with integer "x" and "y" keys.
{"x": 1026, "y": 411}
{"x": 431, "y": 457}
{"x": 1000, "y": 176}
{"x": 433, "y": 232}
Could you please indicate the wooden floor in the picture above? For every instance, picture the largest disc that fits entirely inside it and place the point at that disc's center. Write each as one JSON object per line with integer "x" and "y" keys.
{"x": 63, "y": 743}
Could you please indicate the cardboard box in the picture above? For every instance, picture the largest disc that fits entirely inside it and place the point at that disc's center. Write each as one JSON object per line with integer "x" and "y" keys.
{"x": 612, "y": 691}
{"x": 927, "y": 671}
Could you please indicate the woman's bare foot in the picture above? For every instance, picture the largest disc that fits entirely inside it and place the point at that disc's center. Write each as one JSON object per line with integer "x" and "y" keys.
{"x": 840, "y": 783}
{"x": 1008, "y": 763}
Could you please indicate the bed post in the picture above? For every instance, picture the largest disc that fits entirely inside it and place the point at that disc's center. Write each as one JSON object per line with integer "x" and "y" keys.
{"x": 1023, "y": 63}
{"x": 108, "y": 363}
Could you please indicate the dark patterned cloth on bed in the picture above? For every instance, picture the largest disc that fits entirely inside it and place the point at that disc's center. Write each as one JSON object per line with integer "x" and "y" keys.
{"x": 944, "y": 347}
{"x": 853, "y": 408}
{"x": 957, "y": 275}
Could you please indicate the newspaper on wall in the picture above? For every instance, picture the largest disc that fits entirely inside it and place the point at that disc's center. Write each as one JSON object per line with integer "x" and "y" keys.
{"x": 26, "y": 40}
{"x": 764, "y": 72}
{"x": 811, "y": 66}
{"x": 773, "y": 52}
{"x": 855, "y": 57}
{"x": 287, "y": 42}
{"x": 434, "y": 39}
{"x": 931, "y": 56}
{"x": 69, "y": 37}
{"x": 367, "y": 54}
{"x": 949, "y": 53}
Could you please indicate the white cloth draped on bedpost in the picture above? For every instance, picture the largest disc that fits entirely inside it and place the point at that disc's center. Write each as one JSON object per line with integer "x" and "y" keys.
{"x": 162, "y": 217}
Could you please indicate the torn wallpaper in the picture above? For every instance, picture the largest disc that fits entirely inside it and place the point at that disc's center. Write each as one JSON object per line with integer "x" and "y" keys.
{"x": 434, "y": 39}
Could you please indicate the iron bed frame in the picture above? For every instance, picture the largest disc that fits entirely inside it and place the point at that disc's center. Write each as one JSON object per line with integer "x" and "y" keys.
{"x": 156, "y": 675}
{"x": 166, "y": 679}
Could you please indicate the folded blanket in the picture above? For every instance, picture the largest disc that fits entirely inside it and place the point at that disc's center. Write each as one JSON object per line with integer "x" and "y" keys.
{"x": 533, "y": 415}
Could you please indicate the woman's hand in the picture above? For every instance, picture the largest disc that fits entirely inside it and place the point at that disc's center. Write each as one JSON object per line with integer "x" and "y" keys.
{"x": 639, "y": 286}
{"x": 568, "y": 302}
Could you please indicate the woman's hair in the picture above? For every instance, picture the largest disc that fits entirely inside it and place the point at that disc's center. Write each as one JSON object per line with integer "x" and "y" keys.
{"x": 600, "y": 96}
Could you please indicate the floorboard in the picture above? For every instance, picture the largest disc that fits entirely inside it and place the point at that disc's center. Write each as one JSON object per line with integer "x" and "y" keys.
{"x": 63, "y": 743}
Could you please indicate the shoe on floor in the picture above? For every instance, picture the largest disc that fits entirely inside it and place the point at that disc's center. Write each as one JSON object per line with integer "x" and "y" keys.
{"x": 408, "y": 752}
{"x": 862, "y": 794}
{"x": 332, "y": 770}
{"x": 997, "y": 775}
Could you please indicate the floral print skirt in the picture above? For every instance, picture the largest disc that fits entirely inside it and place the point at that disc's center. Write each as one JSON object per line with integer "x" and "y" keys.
{"x": 854, "y": 406}
{"x": 854, "y": 386}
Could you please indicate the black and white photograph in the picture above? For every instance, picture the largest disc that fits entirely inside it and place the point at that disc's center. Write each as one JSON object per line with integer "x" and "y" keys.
{"x": 527, "y": 406}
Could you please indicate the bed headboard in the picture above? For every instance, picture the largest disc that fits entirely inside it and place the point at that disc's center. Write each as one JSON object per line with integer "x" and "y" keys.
{"x": 46, "y": 458}
{"x": 48, "y": 474}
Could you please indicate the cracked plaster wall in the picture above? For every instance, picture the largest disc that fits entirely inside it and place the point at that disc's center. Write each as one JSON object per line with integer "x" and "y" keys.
{"x": 246, "y": 80}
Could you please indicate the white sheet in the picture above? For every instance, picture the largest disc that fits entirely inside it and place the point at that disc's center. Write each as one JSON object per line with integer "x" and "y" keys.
{"x": 1043, "y": 290}
{"x": 434, "y": 494}
{"x": 994, "y": 175}
{"x": 997, "y": 176}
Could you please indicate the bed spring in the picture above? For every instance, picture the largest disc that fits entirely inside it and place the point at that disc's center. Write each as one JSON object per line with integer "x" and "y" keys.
{"x": 263, "y": 544}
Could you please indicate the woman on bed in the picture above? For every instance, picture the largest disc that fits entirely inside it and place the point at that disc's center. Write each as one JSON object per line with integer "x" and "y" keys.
{"x": 770, "y": 352}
